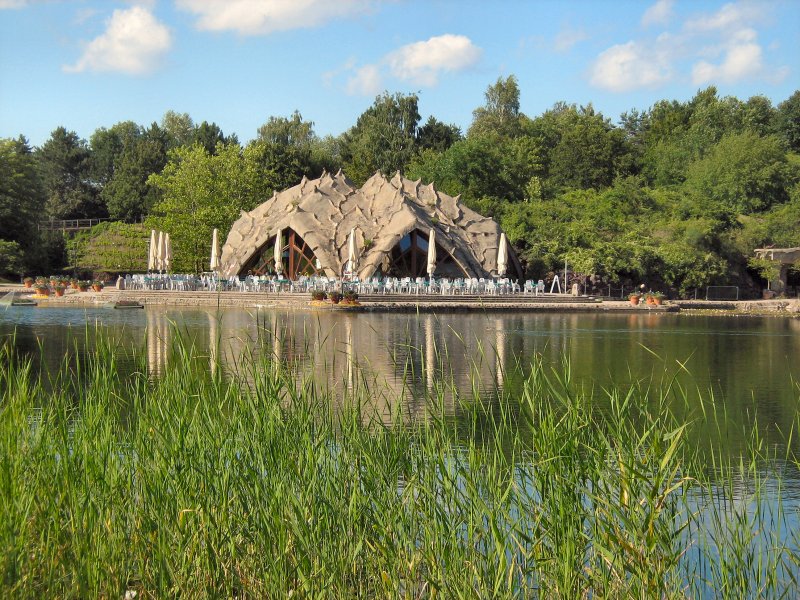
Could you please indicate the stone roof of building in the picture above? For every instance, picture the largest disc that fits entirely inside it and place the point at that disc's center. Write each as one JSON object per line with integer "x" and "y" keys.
{"x": 324, "y": 211}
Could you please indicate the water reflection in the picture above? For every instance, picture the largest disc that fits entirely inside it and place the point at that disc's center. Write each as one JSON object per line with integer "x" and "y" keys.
{"x": 158, "y": 342}
{"x": 747, "y": 365}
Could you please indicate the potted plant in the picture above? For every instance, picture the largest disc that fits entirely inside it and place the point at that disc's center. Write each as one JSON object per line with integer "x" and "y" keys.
{"x": 335, "y": 297}
{"x": 634, "y": 298}
{"x": 28, "y": 281}
{"x": 318, "y": 295}
{"x": 350, "y": 297}
{"x": 650, "y": 299}
{"x": 74, "y": 283}
{"x": 59, "y": 290}
{"x": 97, "y": 285}
{"x": 658, "y": 298}
{"x": 83, "y": 285}
{"x": 42, "y": 287}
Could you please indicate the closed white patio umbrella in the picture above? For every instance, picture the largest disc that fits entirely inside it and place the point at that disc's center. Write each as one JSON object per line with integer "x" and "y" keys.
{"x": 278, "y": 253}
{"x": 352, "y": 253}
{"x": 152, "y": 251}
{"x": 215, "y": 257}
{"x": 502, "y": 256}
{"x": 160, "y": 252}
{"x": 167, "y": 253}
{"x": 431, "y": 253}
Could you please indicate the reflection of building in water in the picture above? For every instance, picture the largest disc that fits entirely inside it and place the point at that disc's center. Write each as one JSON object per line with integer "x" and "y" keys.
{"x": 430, "y": 351}
{"x": 391, "y": 363}
{"x": 159, "y": 332}
{"x": 213, "y": 342}
{"x": 500, "y": 351}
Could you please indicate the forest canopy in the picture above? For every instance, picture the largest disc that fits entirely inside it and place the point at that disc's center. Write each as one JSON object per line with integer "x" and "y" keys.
{"x": 678, "y": 194}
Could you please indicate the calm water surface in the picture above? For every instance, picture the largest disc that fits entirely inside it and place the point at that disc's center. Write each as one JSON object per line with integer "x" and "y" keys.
{"x": 748, "y": 365}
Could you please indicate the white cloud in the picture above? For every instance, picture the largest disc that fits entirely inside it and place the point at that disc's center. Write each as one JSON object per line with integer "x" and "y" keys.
{"x": 366, "y": 81}
{"x": 730, "y": 16}
{"x": 658, "y": 14}
{"x": 423, "y": 62}
{"x": 260, "y": 17}
{"x": 743, "y": 59}
{"x": 420, "y": 63}
{"x": 630, "y": 66}
{"x": 13, "y": 3}
{"x": 134, "y": 43}
{"x": 566, "y": 39}
{"x": 718, "y": 47}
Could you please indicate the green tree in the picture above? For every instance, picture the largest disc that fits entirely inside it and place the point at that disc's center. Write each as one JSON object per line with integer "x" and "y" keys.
{"x": 65, "y": 164}
{"x": 11, "y": 261}
{"x": 500, "y": 114}
{"x": 209, "y": 136}
{"x": 744, "y": 173}
{"x": 107, "y": 145}
{"x": 481, "y": 167}
{"x": 582, "y": 150}
{"x": 21, "y": 193}
{"x": 179, "y": 128}
{"x": 788, "y": 121}
{"x": 435, "y": 135}
{"x": 289, "y": 149}
{"x": 383, "y": 138}
{"x": 202, "y": 192}
{"x": 124, "y": 157}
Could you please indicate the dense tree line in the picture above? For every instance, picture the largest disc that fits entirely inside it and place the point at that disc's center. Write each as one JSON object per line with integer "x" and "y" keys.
{"x": 678, "y": 195}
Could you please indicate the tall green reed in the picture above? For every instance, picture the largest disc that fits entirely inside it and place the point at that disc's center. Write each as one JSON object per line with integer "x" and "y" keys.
{"x": 257, "y": 482}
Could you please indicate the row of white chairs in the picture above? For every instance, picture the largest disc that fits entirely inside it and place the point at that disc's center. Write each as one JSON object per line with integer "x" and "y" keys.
{"x": 373, "y": 285}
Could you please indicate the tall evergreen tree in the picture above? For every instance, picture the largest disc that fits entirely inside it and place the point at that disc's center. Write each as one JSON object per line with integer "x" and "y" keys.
{"x": 66, "y": 172}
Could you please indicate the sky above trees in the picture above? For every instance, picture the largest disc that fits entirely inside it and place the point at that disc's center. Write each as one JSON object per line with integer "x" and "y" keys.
{"x": 88, "y": 63}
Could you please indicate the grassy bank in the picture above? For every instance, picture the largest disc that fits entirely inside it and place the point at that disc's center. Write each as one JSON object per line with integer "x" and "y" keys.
{"x": 250, "y": 484}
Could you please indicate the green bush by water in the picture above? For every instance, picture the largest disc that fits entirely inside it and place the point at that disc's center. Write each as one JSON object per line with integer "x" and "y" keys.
{"x": 253, "y": 485}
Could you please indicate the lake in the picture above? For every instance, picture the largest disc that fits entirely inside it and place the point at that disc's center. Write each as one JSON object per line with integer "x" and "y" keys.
{"x": 748, "y": 365}
{"x": 742, "y": 370}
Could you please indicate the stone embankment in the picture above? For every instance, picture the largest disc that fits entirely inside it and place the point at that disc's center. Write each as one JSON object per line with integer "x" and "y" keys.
{"x": 406, "y": 302}
{"x": 786, "y": 306}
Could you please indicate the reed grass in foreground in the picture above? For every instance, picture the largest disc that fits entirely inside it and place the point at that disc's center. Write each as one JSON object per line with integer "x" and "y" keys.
{"x": 198, "y": 485}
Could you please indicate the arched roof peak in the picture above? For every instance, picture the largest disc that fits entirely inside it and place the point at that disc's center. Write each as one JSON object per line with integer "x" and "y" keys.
{"x": 323, "y": 211}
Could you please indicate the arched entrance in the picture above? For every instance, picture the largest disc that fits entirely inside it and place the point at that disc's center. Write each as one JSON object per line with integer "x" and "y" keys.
{"x": 409, "y": 258}
{"x": 298, "y": 257}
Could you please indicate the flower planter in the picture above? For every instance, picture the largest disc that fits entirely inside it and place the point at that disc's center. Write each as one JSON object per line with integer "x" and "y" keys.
{"x": 658, "y": 301}
{"x": 42, "y": 291}
{"x": 28, "y": 284}
{"x": 97, "y": 288}
{"x": 59, "y": 293}
{"x": 634, "y": 300}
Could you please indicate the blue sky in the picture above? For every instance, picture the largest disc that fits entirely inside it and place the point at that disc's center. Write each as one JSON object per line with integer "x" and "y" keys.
{"x": 86, "y": 64}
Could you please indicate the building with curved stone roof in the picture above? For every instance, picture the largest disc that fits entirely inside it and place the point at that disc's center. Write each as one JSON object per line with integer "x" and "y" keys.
{"x": 391, "y": 220}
